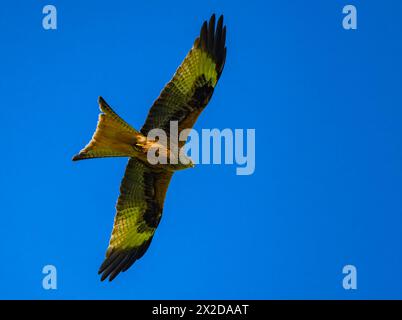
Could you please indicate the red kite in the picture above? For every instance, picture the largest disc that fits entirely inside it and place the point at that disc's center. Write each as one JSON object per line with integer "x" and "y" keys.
{"x": 142, "y": 191}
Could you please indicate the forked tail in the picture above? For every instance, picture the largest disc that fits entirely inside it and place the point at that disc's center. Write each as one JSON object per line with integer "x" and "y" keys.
{"x": 113, "y": 137}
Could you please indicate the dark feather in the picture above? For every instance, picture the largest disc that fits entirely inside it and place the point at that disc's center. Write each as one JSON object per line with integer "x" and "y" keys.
{"x": 204, "y": 36}
{"x": 211, "y": 34}
{"x": 213, "y": 41}
{"x": 120, "y": 261}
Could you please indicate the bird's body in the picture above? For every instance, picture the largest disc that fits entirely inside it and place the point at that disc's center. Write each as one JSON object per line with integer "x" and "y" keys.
{"x": 143, "y": 189}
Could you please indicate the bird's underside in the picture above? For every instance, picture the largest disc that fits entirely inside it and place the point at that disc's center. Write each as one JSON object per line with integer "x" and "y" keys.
{"x": 144, "y": 185}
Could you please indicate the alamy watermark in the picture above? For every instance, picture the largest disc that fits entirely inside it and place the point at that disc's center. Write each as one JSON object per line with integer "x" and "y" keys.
{"x": 349, "y": 22}
{"x": 349, "y": 282}
{"x": 49, "y": 21}
{"x": 49, "y": 281}
{"x": 238, "y": 147}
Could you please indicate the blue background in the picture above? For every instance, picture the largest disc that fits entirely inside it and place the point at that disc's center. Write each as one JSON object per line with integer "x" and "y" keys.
{"x": 326, "y": 106}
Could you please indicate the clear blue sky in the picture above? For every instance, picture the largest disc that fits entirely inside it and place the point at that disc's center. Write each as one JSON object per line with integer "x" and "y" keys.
{"x": 326, "y": 106}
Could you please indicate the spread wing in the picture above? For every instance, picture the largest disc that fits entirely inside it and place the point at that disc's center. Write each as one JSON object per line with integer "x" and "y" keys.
{"x": 139, "y": 209}
{"x": 191, "y": 88}
{"x": 140, "y": 205}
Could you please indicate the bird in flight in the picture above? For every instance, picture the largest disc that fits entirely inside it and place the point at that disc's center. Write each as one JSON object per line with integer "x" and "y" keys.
{"x": 144, "y": 185}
